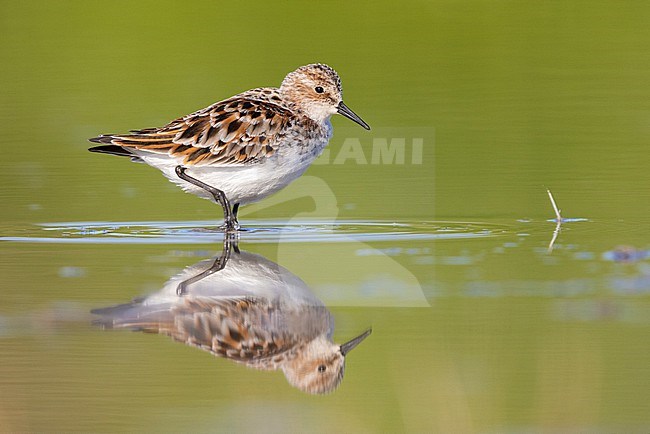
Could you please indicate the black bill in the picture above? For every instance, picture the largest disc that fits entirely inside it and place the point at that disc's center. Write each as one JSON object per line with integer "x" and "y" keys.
{"x": 345, "y": 111}
{"x": 348, "y": 346}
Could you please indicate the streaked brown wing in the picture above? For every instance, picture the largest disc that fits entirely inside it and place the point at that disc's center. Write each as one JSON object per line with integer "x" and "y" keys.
{"x": 236, "y": 131}
{"x": 239, "y": 329}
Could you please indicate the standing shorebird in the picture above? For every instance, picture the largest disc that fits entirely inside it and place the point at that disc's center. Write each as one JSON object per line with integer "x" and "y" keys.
{"x": 244, "y": 308}
{"x": 246, "y": 147}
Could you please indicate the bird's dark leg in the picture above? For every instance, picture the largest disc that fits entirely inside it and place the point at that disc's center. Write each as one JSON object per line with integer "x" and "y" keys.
{"x": 229, "y": 217}
{"x": 229, "y": 243}
{"x": 235, "y": 210}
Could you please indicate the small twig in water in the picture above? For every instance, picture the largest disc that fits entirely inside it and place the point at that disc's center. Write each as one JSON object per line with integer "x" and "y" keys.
{"x": 558, "y": 219}
{"x": 555, "y": 208}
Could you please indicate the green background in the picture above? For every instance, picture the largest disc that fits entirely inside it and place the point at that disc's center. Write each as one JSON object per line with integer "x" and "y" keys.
{"x": 509, "y": 98}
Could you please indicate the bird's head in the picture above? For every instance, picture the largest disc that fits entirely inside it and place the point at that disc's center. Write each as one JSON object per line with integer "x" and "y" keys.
{"x": 316, "y": 90}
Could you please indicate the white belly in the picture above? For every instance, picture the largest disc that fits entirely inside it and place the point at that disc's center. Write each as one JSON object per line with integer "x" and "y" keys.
{"x": 247, "y": 183}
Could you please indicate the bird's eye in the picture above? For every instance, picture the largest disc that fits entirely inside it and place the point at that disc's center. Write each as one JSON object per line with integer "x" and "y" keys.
{"x": 322, "y": 368}
{"x": 319, "y": 89}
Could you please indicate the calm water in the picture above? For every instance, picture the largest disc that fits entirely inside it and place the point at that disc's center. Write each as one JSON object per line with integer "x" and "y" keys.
{"x": 478, "y": 326}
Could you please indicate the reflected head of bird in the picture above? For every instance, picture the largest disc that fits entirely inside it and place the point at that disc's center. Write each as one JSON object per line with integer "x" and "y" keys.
{"x": 319, "y": 366}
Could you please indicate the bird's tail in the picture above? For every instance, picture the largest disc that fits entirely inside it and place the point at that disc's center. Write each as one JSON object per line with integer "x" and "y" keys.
{"x": 134, "y": 316}
{"x": 109, "y": 149}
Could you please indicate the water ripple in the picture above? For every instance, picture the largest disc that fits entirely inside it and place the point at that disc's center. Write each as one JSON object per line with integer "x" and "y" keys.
{"x": 261, "y": 231}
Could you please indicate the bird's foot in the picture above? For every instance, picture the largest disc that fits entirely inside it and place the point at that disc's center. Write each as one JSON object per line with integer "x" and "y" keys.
{"x": 230, "y": 226}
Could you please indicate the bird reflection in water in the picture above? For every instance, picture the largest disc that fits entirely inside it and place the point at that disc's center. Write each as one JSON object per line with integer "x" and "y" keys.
{"x": 245, "y": 308}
